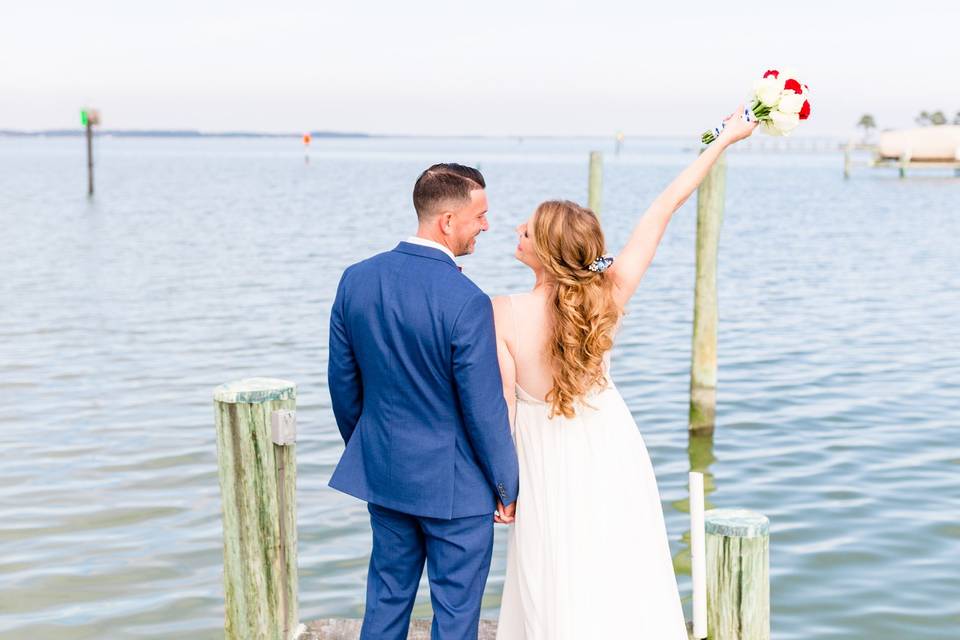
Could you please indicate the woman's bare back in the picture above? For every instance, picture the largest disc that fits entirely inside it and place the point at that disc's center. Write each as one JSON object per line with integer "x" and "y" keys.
{"x": 525, "y": 327}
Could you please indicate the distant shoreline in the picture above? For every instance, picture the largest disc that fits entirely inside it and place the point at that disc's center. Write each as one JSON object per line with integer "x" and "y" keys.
{"x": 172, "y": 133}
{"x": 195, "y": 133}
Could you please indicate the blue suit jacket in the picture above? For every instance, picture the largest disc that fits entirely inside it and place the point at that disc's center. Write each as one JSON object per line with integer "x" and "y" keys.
{"x": 416, "y": 388}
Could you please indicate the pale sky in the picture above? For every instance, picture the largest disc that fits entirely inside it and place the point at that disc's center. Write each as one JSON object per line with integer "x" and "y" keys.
{"x": 426, "y": 67}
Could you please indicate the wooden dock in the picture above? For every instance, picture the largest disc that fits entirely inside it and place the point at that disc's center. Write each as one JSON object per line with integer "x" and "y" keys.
{"x": 936, "y": 147}
{"x": 349, "y": 629}
{"x": 902, "y": 164}
{"x": 256, "y": 439}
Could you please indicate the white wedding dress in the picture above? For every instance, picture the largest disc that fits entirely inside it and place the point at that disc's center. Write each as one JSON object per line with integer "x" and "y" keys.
{"x": 587, "y": 556}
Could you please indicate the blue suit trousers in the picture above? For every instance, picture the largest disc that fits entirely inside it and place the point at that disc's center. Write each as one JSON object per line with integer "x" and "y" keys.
{"x": 457, "y": 553}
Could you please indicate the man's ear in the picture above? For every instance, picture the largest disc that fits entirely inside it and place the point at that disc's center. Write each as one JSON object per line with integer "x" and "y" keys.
{"x": 445, "y": 219}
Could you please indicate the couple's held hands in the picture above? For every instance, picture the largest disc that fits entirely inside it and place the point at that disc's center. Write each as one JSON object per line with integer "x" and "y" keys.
{"x": 505, "y": 515}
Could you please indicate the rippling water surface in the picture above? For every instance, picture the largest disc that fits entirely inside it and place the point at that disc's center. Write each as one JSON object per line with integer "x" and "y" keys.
{"x": 203, "y": 261}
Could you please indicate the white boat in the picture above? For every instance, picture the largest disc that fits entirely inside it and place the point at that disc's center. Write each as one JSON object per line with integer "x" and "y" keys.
{"x": 939, "y": 143}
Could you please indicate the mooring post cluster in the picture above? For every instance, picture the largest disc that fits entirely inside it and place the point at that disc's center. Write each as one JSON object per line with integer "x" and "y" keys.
{"x": 255, "y": 421}
{"x": 256, "y": 435}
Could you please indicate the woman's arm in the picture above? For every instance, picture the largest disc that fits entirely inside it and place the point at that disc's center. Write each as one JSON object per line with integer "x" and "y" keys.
{"x": 636, "y": 256}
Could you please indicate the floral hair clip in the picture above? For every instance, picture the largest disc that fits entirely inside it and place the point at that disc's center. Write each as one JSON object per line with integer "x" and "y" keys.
{"x": 601, "y": 264}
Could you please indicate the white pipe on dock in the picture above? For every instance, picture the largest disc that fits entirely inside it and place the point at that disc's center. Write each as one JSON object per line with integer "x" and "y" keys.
{"x": 698, "y": 556}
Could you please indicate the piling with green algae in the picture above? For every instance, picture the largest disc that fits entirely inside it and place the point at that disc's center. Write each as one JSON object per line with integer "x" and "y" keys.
{"x": 595, "y": 182}
{"x": 258, "y": 491}
{"x": 738, "y": 574}
{"x": 703, "y": 367}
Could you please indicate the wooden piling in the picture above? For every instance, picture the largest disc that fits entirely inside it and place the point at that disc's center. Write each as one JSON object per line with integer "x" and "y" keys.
{"x": 88, "y": 118}
{"x": 595, "y": 182}
{"x": 903, "y": 164}
{"x": 703, "y": 368}
{"x": 257, "y": 469}
{"x": 738, "y": 575}
{"x": 89, "y": 158}
{"x": 847, "y": 159}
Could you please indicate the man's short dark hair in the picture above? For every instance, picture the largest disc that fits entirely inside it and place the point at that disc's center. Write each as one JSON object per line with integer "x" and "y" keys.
{"x": 443, "y": 182}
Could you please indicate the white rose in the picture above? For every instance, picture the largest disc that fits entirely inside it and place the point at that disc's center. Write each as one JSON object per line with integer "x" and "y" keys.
{"x": 769, "y": 129}
{"x": 784, "y": 122}
{"x": 768, "y": 90}
{"x": 791, "y": 102}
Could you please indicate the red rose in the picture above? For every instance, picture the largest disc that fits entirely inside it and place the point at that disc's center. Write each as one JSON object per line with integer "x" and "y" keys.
{"x": 805, "y": 110}
{"x": 772, "y": 72}
{"x": 792, "y": 85}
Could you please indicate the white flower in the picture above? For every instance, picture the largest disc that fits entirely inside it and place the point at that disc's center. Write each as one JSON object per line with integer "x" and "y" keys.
{"x": 768, "y": 90}
{"x": 769, "y": 129}
{"x": 791, "y": 102}
{"x": 784, "y": 122}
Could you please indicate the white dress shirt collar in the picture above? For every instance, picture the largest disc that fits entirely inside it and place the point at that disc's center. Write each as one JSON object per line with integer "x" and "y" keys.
{"x": 423, "y": 242}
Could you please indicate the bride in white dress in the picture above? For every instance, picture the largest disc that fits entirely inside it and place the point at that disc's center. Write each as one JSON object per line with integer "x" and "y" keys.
{"x": 587, "y": 556}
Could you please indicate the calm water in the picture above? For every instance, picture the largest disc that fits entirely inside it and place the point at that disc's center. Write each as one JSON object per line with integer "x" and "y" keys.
{"x": 203, "y": 261}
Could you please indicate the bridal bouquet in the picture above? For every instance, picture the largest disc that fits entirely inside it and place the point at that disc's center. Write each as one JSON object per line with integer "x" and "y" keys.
{"x": 778, "y": 102}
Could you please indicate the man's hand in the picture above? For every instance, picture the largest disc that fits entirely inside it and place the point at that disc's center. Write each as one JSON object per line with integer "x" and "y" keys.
{"x": 505, "y": 515}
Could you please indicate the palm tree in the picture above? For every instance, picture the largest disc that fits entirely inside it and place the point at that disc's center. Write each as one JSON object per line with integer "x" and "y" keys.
{"x": 936, "y": 118}
{"x": 866, "y": 123}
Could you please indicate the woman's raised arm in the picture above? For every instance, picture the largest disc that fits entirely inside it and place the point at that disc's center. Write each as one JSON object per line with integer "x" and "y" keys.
{"x": 632, "y": 262}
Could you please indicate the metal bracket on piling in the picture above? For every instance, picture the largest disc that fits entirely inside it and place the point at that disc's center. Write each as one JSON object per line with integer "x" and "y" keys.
{"x": 283, "y": 425}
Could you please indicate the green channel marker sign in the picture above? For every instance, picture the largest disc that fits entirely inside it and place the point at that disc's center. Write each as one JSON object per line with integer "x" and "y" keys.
{"x": 83, "y": 117}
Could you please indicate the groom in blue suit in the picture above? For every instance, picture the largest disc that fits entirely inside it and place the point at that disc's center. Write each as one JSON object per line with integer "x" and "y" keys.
{"x": 418, "y": 399}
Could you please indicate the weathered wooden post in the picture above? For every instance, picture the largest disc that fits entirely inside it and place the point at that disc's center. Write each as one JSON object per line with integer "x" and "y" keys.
{"x": 703, "y": 368}
{"x": 903, "y": 163}
{"x": 738, "y": 575}
{"x": 847, "y": 152}
{"x": 89, "y": 158}
{"x": 256, "y": 431}
{"x": 88, "y": 118}
{"x": 595, "y": 182}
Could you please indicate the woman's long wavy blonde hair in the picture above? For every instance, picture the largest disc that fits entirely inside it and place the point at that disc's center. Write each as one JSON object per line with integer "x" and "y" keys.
{"x": 567, "y": 238}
